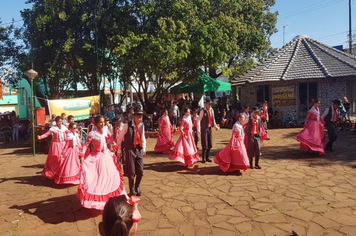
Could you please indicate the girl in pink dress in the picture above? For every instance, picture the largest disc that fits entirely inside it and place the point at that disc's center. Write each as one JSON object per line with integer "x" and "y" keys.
{"x": 101, "y": 177}
{"x": 165, "y": 138}
{"x": 55, "y": 150}
{"x": 185, "y": 150}
{"x": 312, "y": 138}
{"x": 68, "y": 171}
{"x": 234, "y": 156}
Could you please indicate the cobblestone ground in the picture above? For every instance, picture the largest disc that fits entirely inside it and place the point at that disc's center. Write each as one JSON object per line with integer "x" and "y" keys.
{"x": 295, "y": 191}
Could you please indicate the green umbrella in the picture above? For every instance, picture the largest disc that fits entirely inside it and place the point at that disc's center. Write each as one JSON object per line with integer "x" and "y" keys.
{"x": 203, "y": 83}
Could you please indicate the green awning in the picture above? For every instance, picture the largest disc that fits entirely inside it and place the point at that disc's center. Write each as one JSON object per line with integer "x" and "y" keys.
{"x": 203, "y": 83}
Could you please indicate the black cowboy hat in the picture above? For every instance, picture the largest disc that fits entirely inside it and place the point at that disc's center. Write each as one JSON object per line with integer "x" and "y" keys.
{"x": 336, "y": 102}
{"x": 255, "y": 109}
{"x": 139, "y": 112}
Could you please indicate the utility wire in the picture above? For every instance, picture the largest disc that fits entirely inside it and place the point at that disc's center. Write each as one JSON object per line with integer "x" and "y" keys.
{"x": 9, "y": 23}
{"x": 307, "y": 9}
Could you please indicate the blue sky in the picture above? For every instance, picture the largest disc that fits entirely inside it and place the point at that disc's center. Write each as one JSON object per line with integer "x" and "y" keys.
{"x": 326, "y": 21}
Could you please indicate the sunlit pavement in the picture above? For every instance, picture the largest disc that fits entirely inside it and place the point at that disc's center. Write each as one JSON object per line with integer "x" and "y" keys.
{"x": 294, "y": 191}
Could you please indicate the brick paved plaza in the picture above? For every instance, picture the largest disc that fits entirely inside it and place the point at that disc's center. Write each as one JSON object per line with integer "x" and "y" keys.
{"x": 295, "y": 191}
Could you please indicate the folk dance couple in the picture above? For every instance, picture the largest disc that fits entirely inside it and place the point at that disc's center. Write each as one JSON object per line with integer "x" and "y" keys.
{"x": 312, "y": 137}
{"x": 185, "y": 150}
{"x": 233, "y": 157}
{"x": 244, "y": 143}
{"x": 99, "y": 175}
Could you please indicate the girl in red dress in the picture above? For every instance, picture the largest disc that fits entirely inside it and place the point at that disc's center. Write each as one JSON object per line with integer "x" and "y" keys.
{"x": 234, "y": 156}
{"x": 101, "y": 177}
{"x": 165, "y": 138}
{"x": 185, "y": 150}
{"x": 55, "y": 150}
{"x": 68, "y": 170}
{"x": 312, "y": 138}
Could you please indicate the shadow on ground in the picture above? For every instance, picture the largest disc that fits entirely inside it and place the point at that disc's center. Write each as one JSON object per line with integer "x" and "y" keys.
{"x": 198, "y": 169}
{"x": 36, "y": 180}
{"x": 58, "y": 209}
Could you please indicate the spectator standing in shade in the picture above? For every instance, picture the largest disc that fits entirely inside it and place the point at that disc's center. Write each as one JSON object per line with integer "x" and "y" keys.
{"x": 110, "y": 113}
{"x": 15, "y": 126}
{"x": 174, "y": 114}
{"x": 64, "y": 118}
{"x": 347, "y": 107}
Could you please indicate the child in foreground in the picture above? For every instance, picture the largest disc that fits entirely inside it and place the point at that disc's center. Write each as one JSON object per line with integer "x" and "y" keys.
{"x": 120, "y": 216}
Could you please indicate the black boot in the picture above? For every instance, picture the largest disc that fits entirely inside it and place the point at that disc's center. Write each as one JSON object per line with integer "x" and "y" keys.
{"x": 203, "y": 156}
{"x": 329, "y": 146}
{"x": 207, "y": 155}
{"x": 137, "y": 185}
{"x": 257, "y": 166}
{"x": 131, "y": 186}
{"x": 251, "y": 165}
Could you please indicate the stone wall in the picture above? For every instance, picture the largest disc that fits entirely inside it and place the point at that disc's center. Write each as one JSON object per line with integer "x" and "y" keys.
{"x": 328, "y": 90}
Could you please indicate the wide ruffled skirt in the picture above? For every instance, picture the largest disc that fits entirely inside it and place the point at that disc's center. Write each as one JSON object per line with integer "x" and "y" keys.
{"x": 185, "y": 151}
{"x": 264, "y": 135}
{"x": 101, "y": 178}
{"x": 164, "y": 141}
{"x": 232, "y": 160}
{"x": 53, "y": 159}
{"x": 312, "y": 137}
{"x": 68, "y": 170}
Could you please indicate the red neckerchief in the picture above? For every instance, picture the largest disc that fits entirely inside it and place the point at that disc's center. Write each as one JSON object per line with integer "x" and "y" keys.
{"x": 335, "y": 115}
{"x": 137, "y": 136}
{"x": 209, "y": 117}
{"x": 117, "y": 132}
{"x": 254, "y": 127}
{"x": 194, "y": 122}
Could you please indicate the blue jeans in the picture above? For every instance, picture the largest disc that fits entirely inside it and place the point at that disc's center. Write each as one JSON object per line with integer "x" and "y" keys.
{"x": 15, "y": 132}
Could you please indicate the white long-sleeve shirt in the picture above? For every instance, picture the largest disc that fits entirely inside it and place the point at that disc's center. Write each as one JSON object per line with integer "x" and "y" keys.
{"x": 200, "y": 117}
{"x": 326, "y": 113}
{"x": 124, "y": 131}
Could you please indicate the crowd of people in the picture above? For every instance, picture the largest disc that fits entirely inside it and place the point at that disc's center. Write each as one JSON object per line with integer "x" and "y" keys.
{"x": 114, "y": 140}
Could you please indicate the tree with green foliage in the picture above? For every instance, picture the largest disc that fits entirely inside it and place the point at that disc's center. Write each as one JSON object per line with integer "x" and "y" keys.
{"x": 144, "y": 41}
{"x": 11, "y": 51}
{"x": 176, "y": 37}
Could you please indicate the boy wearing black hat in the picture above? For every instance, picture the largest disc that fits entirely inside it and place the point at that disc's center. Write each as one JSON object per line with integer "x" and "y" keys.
{"x": 206, "y": 121}
{"x": 253, "y": 134}
{"x": 133, "y": 136}
{"x": 195, "y": 127}
{"x": 330, "y": 116}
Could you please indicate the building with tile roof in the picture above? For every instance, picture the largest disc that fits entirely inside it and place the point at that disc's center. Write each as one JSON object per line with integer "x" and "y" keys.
{"x": 302, "y": 70}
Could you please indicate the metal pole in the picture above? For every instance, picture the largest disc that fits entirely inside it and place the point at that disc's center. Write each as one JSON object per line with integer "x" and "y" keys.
{"x": 33, "y": 120}
{"x": 350, "y": 30}
{"x": 284, "y": 29}
{"x": 284, "y": 33}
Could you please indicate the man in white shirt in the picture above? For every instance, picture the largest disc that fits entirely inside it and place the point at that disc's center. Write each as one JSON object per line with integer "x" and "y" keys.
{"x": 134, "y": 141}
{"x": 206, "y": 121}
